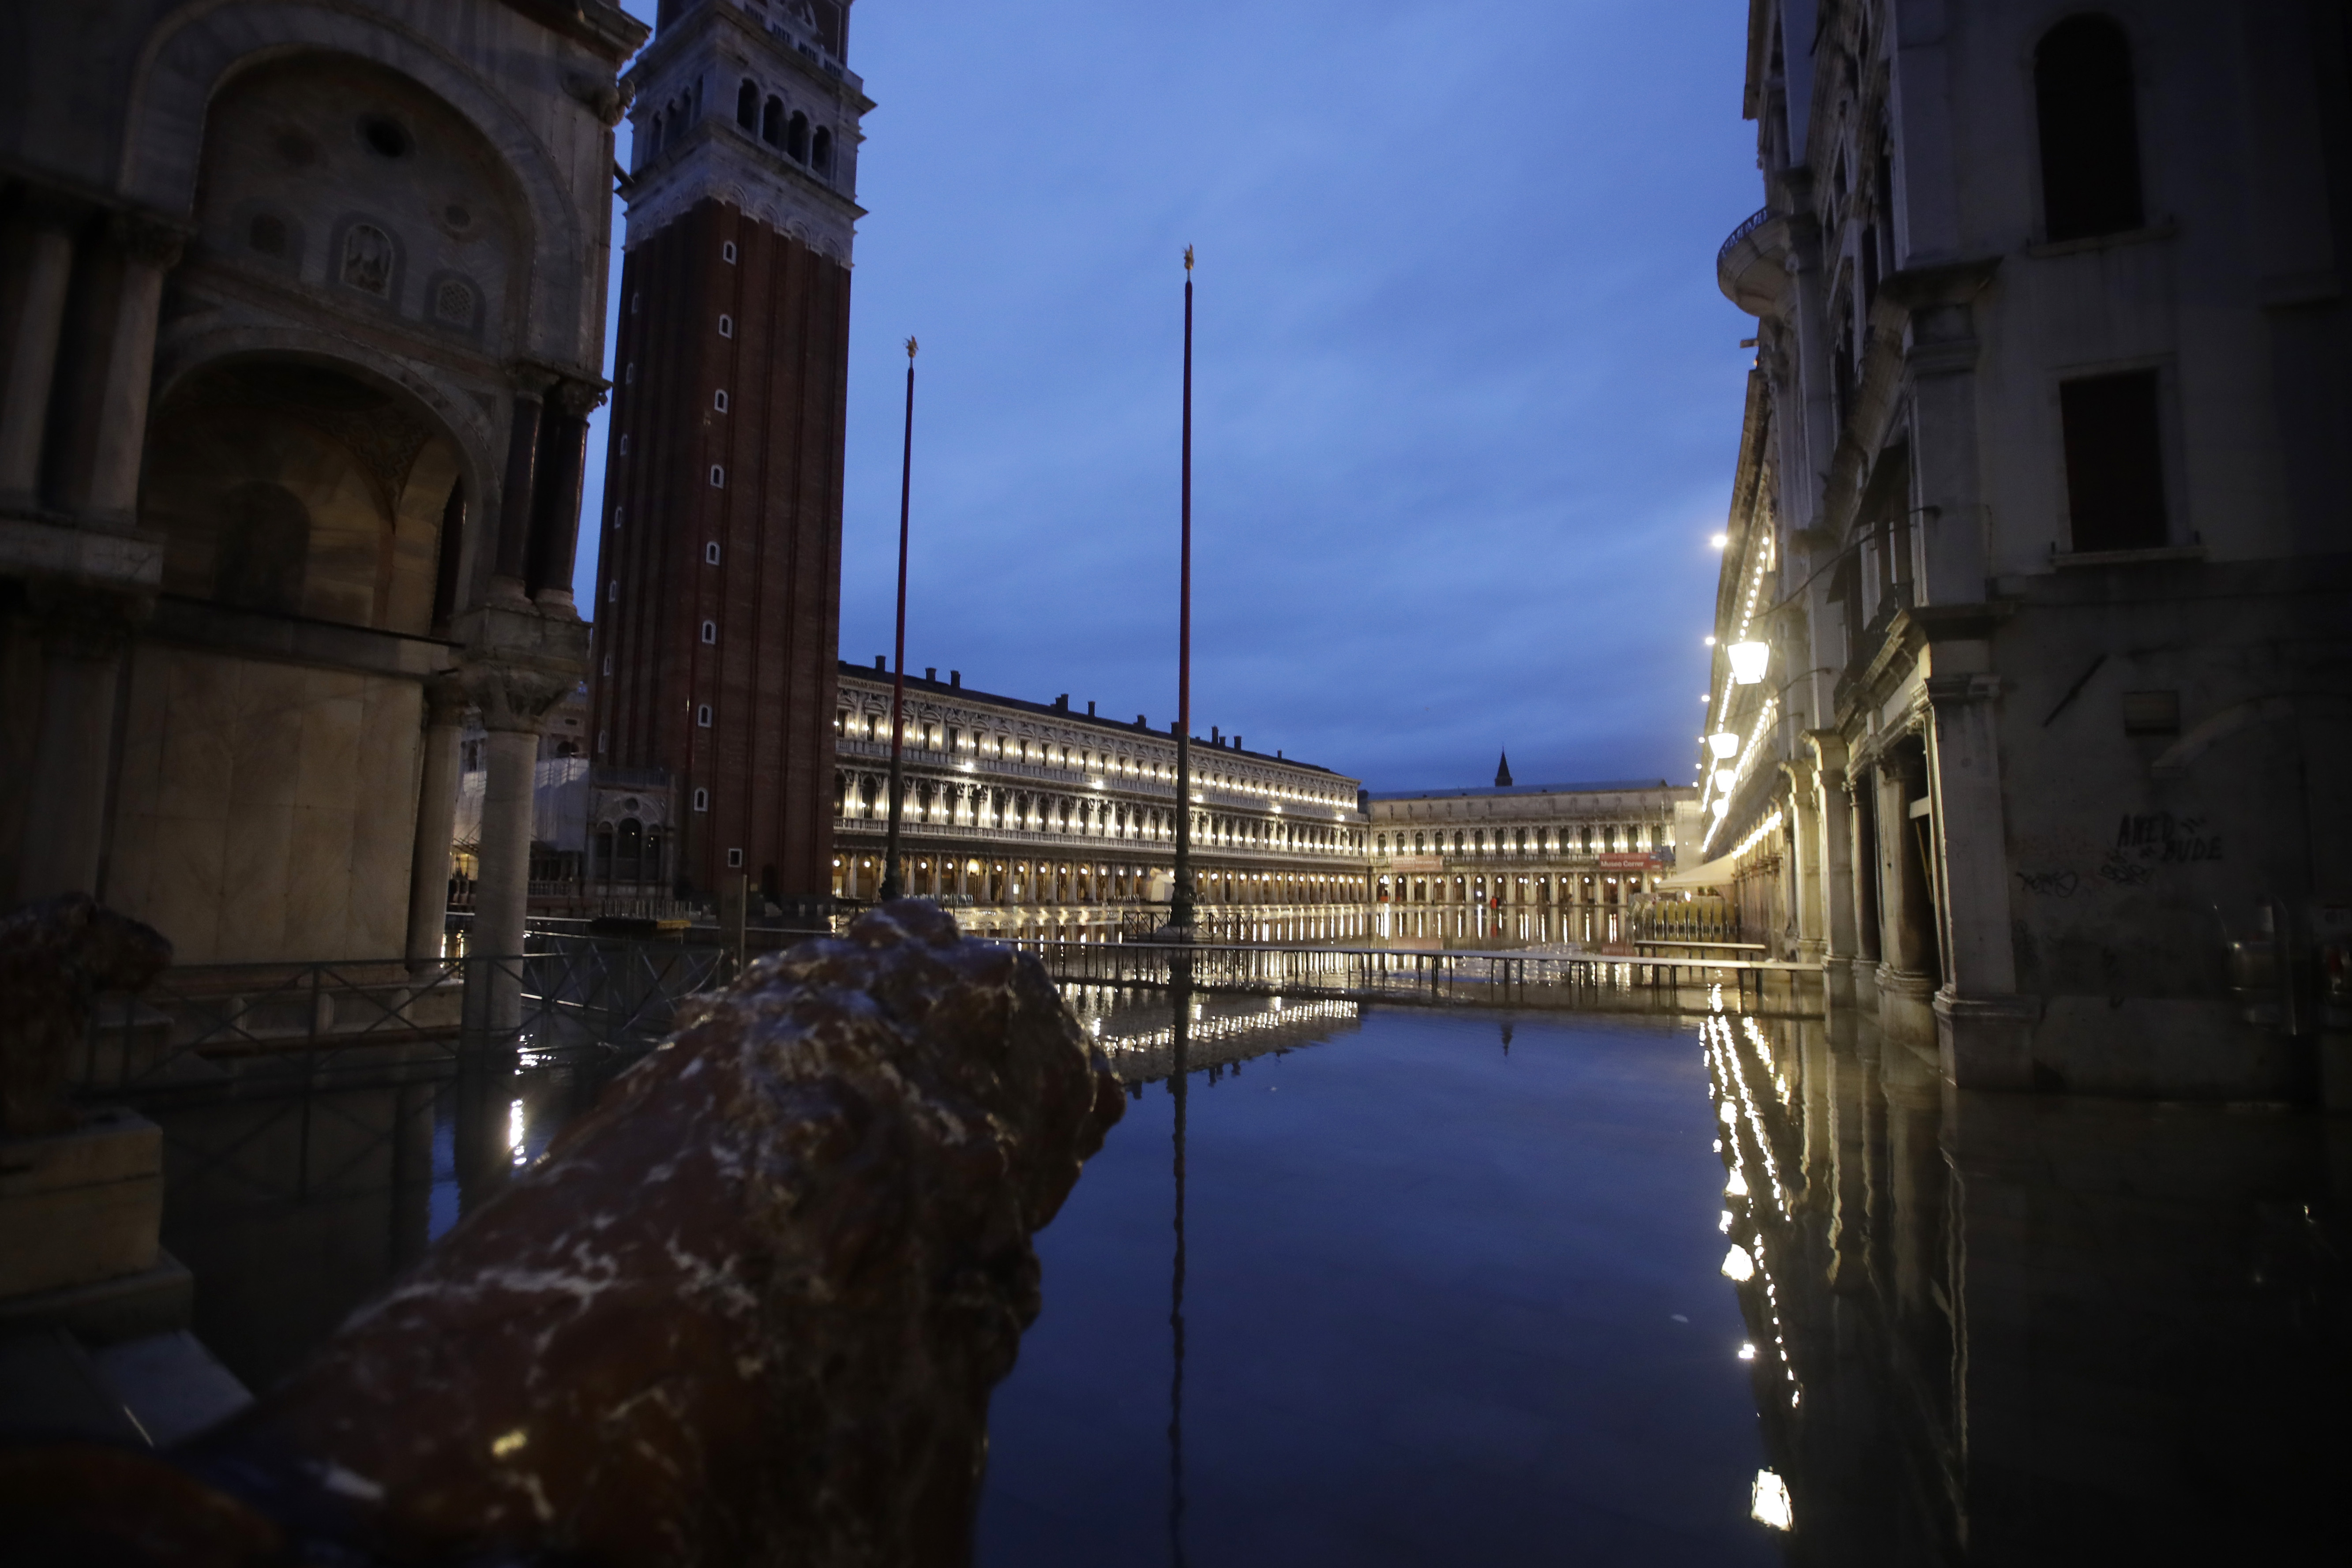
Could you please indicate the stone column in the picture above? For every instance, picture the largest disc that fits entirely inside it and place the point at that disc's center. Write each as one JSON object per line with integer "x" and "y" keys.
{"x": 555, "y": 512}
{"x": 36, "y": 308}
{"x": 1983, "y": 1028}
{"x": 149, "y": 250}
{"x": 1905, "y": 906}
{"x": 518, "y": 498}
{"x": 1834, "y": 873}
{"x": 513, "y": 700}
{"x": 1805, "y": 860}
{"x": 436, "y": 809}
{"x": 82, "y": 639}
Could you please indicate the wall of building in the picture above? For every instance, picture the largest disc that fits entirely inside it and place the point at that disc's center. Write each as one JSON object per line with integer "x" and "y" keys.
{"x": 2057, "y": 659}
{"x": 1016, "y": 808}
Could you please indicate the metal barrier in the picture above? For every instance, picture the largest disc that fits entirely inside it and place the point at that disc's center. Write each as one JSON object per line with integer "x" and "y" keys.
{"x": 240, "y": 1029}
{"x": 1566, "y": 982}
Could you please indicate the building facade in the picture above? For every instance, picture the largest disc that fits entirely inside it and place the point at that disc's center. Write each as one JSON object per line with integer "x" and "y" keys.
{"x": 2033, "y": 632}
{"x": 1032, "y": 818}
{"x": 719, "y": 592}
{"x": 301, "y": 316}
{"x": 1520, "y": 865}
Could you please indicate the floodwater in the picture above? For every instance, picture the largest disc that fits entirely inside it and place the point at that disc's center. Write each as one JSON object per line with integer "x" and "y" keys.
{"x": 1438, "y": 1286}
{"x": 1724, "y": 1290}
{"x": 1443, "y": 1288}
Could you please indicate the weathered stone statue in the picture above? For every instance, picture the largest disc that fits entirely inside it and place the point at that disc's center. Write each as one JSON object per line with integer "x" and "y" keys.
{"x": 56, "y": 957}
{"x": 748, "y": 1310}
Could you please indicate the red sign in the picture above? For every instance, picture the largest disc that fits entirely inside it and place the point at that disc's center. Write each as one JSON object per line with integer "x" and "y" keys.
{"x": 1629, "y": 862}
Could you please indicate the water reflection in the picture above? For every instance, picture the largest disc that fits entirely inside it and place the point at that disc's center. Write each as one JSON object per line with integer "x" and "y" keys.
{"x": 1180, "y": 1076}
{"x": 2021, "y": 1329}
{"x": 293, "y": 1208}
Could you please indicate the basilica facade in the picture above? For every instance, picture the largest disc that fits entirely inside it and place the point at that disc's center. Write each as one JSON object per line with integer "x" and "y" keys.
{"x": 301, "y": 317}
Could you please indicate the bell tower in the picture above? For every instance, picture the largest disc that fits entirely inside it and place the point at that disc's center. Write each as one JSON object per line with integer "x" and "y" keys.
{"x": 718, "y": 593}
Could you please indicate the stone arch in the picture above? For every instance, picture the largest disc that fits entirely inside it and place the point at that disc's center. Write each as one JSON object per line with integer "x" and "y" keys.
{"x": 293, "y": 484}
{"x": 197, "y": 50}
{"x": 477, "y": 449}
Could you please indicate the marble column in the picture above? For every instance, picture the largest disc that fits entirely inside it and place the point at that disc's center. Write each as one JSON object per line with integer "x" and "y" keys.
{"x": 517, "y": 499}
{"x": 36, "y": 300}
{"x": 555, "y": 512}
{"x": 501, "y": 897}
{"x": 110, "y": 491}
{"x": 82, "y": 640}
{"x": 436, "y": 809}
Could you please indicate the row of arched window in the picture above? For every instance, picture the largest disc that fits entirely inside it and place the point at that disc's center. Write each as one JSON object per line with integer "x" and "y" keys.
{"x": 787, "y": 131}
{"x": 1588, "y": 839}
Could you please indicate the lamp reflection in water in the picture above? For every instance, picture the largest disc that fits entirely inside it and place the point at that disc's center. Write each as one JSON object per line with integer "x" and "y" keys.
{"x": 1769, "y": 1503}
{"x": 1180, "y": 1012}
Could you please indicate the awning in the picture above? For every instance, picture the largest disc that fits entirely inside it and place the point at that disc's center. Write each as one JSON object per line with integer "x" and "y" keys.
{"x": 1714, "y": 873}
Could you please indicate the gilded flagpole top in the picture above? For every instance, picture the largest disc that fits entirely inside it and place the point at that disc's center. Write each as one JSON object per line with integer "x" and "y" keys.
{"x": 1188, "y": 258}
{"x": 911, "y": 348}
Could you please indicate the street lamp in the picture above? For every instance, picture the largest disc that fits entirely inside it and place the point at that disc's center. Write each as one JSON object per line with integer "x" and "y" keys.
{"x": 1724, "y": 744}
{"x": 1747, "y": 661}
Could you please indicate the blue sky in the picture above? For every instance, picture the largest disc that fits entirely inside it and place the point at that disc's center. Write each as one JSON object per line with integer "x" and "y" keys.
{"x": 1466, "y": 398}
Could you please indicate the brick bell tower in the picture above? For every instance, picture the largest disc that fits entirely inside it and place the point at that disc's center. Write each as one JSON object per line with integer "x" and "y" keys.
{"x": 718, "y": 598}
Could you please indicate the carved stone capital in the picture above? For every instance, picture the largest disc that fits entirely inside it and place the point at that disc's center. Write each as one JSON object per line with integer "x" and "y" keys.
{"x": 579, "y": 398}
{"x": 446, "y": 701}
{"x": 608, "y": 100}
{"x": 514, "y": 698}
{"x": 149, "y": 243}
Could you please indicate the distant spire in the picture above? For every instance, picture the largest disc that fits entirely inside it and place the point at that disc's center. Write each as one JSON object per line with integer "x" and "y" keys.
{"x": 1503, "y": 772}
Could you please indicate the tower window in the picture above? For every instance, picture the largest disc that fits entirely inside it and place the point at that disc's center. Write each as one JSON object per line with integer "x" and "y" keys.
{"x": 2089, "y": 125}
{"x": 634, "y": 295}
{"x": 2115, "y": 457}
{"x": 718, "y": 401}
{"x": 710, "y": 554}
{"x": 727, "y": 252}
{"x": 771, "y": 124}
{"x": 612, "y": 591}
{"x": 734, "y": 860}
{"x": 702, "y": 722}
{"x": 702, "y": 796}
{"x": 619, "y": 513}
{"x": 717, "y": 477}
{"x": 747, "y": 105}
{"x": 625, "y": 444}
{"x": 710, "y": 634}
{"x": 726, "y": 326}
{"x": 820, "y": 151}
{"x": 796, "y": 138}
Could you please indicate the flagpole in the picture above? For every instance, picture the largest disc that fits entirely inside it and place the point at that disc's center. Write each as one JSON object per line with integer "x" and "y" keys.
{"x": 1180, "y": 907}
{"x": 890, "y": 889}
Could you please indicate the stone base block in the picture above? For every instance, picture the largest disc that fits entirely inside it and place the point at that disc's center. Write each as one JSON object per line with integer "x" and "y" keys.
{"x": 80, "y": 1206}
{"x": 1906, "y": 1006}
{"x": 158, "y": 1300}
{"x": 1986, "y": 1042}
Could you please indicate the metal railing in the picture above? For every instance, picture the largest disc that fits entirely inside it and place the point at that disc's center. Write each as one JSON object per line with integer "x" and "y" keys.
{"x": 238, "y": 1030}
{"x": 1594, "y": 981}
{"x": 1749, "y": 226}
